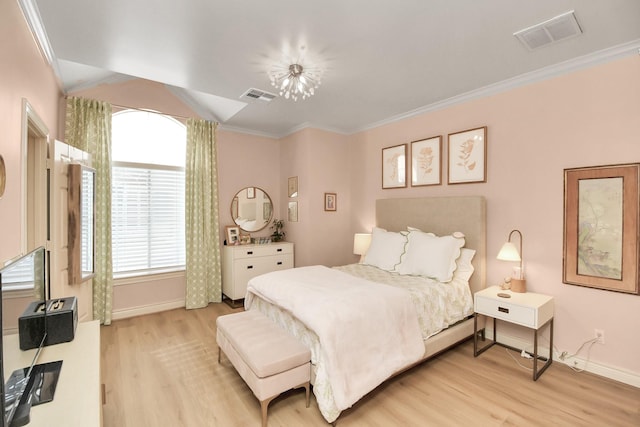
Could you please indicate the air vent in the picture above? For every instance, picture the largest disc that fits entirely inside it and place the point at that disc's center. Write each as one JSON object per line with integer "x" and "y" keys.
{"x": 257, "y": 94}
{"x": 555, "y": 29}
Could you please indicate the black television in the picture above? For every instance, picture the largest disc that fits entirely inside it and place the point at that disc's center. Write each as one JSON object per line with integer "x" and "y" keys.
{"x": 23, "y": 283}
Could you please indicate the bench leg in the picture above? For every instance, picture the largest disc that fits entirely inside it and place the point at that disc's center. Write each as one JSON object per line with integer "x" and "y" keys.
{"x": 306, "y": 388}
{"x": 264, "y": 405}
{"x": 219, "y": 351}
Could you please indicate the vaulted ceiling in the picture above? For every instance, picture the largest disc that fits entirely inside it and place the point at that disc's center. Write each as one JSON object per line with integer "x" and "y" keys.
{"x": 381, "y": 59}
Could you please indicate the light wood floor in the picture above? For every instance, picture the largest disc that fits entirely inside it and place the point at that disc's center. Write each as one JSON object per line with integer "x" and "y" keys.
{"x": 162, "y": 369}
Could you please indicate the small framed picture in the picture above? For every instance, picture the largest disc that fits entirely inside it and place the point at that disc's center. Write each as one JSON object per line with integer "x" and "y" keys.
{"x": 426, "y": 161}
{"x": 251, "y": 192}
{"x": 293, "y": 211}
{"x": 330, "y": 202}
{"x": 394, "y": 166}
{"x": 468, "y": 156}
{"x": 233, "y": 235}
{"x": 292, "y": 188}
{"x": 245, "y": 239}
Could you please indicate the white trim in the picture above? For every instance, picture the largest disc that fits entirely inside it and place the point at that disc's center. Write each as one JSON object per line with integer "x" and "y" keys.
{"x": 613, "y": 373}
{"x": 34, "y": 21}
{"x": 148, "y": 277}
{"x": 147, "y": 309}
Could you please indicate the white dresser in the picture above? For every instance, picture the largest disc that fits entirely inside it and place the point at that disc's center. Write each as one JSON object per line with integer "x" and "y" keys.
{"x": 242, "y": 262}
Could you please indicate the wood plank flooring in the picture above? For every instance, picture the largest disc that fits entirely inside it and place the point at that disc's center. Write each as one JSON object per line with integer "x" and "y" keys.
{"x": 162, "y": 370}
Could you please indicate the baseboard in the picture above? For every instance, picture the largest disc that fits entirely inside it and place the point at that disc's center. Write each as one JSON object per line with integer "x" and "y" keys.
{"x": 147, "y": 309}
{"x": 578, "y": 363}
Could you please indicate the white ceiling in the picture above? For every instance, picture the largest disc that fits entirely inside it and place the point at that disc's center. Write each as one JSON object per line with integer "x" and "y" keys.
{"x": 382, "y": 59}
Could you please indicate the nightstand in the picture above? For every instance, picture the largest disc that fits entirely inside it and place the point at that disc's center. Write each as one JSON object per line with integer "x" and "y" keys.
{"x": 529, "y": 309}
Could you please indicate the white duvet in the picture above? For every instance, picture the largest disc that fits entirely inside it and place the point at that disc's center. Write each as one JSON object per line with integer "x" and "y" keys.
{"x": 367, "y": 331}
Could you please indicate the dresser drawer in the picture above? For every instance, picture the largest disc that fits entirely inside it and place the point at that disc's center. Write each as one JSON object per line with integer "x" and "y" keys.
{"x": 521, "y": 315}
{"x": 253, "y": 251}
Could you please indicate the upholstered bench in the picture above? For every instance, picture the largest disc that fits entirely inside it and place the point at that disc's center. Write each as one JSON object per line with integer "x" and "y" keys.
{"x": 268, "y": 359}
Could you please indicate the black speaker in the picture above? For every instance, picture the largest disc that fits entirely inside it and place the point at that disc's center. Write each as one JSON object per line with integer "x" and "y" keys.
{"x": 62, "y": 319}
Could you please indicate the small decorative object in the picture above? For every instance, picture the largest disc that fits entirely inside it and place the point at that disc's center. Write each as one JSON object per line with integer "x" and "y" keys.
{"x": 293, "y": 211}
{"x": 330, "y": 202}
{"x": 245, "y": 239}
{"x": 233, "y": 235}
{"x": 468, "y": 156}
{"x": 251, "y": 192}
{"x": 394, "y": 166}
{"x": 425, "y": 161}
{"x": 277, "y": 225}
{"x": 293, "y": 187}
{"x": 601, "y": 220}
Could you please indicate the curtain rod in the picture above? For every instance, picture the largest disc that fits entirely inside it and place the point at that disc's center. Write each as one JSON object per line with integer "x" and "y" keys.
{"x": 146, "y": 110}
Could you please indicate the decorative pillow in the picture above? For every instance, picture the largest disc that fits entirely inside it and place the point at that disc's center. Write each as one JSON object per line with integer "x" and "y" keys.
{"x": 464, "y": 268}
{"x": 431, "y": 256}
{"x": 385, "y": 249}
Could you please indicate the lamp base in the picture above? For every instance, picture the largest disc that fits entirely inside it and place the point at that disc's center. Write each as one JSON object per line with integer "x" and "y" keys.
{"x": 518, "y": 285}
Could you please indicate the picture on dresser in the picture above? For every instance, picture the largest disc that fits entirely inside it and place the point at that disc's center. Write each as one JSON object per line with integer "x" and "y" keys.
{"x": 233, "y": 235}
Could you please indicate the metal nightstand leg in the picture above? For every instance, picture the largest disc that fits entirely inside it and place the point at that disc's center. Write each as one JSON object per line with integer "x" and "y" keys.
{"x": 536, "y": 372}
{"x": 476, "y": 351}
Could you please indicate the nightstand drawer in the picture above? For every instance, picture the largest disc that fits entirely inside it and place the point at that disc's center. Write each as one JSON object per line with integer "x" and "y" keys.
{"x": 521, "y": 315}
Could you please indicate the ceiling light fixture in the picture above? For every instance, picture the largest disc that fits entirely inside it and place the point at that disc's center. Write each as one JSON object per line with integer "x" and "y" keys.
{"x": 293, "y": 80}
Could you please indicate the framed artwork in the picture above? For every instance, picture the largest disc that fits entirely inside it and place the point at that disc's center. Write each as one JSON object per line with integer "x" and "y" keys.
{"x": 292, "y": 187}
{"x": 468, "y": 156}
{"x": 601, "y": 208}
{"x": 233, "y": 235}
{"x": 293, "y": 211}
{"x": 330, "y": 202}
{"x": 426, "y": 161}
{"x": 251, "y": 192}
{"x": 394, "y": 166}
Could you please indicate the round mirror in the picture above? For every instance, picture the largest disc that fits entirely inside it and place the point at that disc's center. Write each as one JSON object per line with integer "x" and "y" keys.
{"x": 251, "y": 209}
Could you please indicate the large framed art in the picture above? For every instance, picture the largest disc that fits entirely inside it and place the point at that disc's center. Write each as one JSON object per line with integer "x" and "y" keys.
{"x": 601, "y": 226}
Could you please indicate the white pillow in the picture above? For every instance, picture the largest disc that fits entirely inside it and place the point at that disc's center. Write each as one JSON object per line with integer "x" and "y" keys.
{"x": 385, "y": 249}
{"x": 431, "y": 256}
{"x": 464, "y": 267}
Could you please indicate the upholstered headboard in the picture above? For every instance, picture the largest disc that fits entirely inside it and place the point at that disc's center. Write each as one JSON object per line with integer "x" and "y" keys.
{"x": 442, "y": 215}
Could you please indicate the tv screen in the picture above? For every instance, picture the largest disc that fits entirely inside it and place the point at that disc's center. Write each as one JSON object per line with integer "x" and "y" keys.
{"x": 23, "y": 284}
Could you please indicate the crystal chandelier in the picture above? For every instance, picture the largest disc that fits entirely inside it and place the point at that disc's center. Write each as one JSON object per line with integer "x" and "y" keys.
{"x": 294, "y": 81}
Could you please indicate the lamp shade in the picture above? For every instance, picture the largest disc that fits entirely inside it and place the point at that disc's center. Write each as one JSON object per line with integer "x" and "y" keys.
{"x": 509, "y": 252}
{"x": 361, "y": 242}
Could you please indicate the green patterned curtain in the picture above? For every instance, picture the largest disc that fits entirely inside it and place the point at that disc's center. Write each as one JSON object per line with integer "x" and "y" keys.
{"x": 202, "y": 241}
{"x": 88, "y": 127}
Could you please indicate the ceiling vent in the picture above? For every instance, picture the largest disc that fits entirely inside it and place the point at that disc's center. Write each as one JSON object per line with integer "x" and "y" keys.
{"x": 257, "y": 94}
{"x": 555, "y": 29}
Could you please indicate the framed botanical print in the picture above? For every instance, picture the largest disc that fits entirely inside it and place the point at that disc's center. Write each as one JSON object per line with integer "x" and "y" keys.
{"x": 394, "y": 166}
{"x": 293, "y": 212}
{"x": 468, "y": 156}
{"x": 601, "y": 220}
{"x": 292, "y": 186}
{"x": 251, "y": 192}
{"x": 425, "y": 161}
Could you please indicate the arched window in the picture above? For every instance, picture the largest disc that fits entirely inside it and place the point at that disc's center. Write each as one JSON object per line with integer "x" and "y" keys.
{"x": 148, "y": 156}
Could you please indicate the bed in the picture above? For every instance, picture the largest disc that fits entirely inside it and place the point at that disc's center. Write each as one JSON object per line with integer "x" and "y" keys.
{"x": 364, "y": 324}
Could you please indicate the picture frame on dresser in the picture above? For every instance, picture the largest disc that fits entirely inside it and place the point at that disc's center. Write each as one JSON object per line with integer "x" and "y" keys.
{"x": 394, "y": 166}
{"x": 601, "y": 225}
{"x": 232, "y": 234}
{"x": 468, "y": 156}
{"x": 426, "y": 161}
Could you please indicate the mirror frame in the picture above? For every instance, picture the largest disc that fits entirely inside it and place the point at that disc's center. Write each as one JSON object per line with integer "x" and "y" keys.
{"x": 234, "y": 201}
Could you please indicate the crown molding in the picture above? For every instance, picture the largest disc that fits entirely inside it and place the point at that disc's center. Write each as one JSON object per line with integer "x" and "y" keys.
{"x": 31, "y": 14}
{"x": 562, "y": 68}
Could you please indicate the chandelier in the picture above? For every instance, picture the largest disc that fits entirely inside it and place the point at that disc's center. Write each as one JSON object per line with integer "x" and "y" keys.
{"x": 295, "y": 81}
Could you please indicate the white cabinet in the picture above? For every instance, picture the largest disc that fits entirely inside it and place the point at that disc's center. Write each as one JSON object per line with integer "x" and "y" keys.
{"x": 240, "y": 263}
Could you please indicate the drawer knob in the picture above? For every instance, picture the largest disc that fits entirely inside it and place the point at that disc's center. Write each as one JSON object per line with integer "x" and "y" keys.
{"x": 249, "y": 267}
{"x": 279, "y": 262}
{"x": 249, "y": 252}
{"x": 503, "y": 310}
{"x": 279, "y": 249}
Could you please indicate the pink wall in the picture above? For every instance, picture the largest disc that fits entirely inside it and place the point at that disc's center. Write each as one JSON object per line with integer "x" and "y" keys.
{"x": 24, "y": 74}
{"x": 586, "y": 118}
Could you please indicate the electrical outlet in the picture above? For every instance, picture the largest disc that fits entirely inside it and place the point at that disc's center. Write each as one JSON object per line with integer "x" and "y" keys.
{"x": 563, "y": 355}
{"x": 599, "y": 335}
